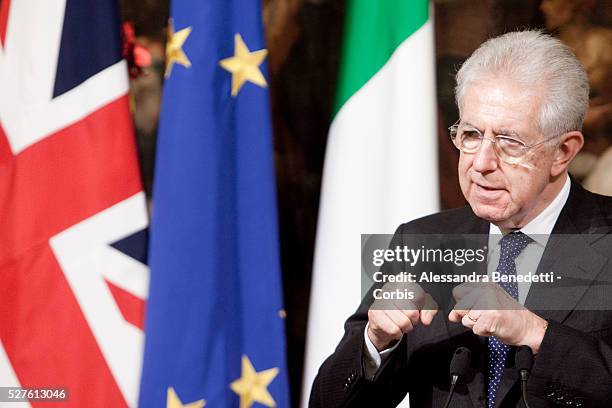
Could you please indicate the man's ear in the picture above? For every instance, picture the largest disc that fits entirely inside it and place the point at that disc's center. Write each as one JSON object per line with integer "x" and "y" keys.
{"x": 569, "y": 146}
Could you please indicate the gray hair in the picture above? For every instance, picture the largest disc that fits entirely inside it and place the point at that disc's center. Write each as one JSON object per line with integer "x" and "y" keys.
{"x": 533, "y": 58}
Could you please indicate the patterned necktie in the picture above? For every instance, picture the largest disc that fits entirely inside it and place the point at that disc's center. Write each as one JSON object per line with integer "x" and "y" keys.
{"x": 511, "y": 246}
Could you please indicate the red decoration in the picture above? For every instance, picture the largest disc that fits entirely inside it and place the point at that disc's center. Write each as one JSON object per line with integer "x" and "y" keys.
{"x": 136, "y": 55}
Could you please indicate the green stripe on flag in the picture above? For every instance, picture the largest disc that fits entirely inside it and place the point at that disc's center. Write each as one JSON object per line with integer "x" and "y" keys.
{"x": 373, "y": 30}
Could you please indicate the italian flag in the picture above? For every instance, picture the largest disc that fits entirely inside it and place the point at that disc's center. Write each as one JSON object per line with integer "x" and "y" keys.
{"x": 381, "y": 158}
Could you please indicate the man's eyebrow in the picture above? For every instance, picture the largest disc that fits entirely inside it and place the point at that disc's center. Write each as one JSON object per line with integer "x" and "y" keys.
{"x": 499, "y": 131}
{"x": 506, "y": 132}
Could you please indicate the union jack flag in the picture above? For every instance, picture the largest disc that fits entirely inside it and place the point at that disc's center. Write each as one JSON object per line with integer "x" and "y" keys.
{"x": 72, "y": 212}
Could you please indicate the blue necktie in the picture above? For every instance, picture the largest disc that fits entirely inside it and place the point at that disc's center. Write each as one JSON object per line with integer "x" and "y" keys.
{"x": 511, "y": 246}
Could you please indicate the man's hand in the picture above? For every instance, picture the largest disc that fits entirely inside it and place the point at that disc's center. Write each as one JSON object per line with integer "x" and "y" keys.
{"x": 489, "y": 311}
{"x": 389, "y": 320}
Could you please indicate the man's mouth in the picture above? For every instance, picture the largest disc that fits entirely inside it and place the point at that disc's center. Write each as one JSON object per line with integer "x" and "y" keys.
{"x": 488, "y": 191}
{"x": 489, "y": 188}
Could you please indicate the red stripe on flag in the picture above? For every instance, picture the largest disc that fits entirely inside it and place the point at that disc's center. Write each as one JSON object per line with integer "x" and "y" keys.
{"x": 66, "y": 178}
{"x": 4, "y": 10}
{"x": 46, "y": 337}
{"x": 131, "y": 307}
{"x": 5, "y": 149}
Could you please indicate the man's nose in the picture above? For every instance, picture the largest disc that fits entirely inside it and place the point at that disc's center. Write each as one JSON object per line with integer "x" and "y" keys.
{"x": 485, "y": 158}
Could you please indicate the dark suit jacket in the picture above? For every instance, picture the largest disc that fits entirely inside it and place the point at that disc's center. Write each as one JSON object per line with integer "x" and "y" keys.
{"x": 573, "y": 367}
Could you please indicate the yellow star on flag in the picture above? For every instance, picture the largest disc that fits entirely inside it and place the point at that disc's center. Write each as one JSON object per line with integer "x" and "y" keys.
{"x": 253, "y": 386}
{"x": 244, "y": 65}
{"x": 173, "y": 401}
{"x": 174, "y": 48}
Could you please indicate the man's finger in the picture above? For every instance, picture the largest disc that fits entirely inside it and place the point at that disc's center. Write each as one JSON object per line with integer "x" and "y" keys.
{"x": 383, "y": 326}
{"x": 430, "y": 308}
{"x": 405, "y": 320}
{"x": 468, "y": 321}
{"x": 420, "y": 295}
{"x": 414, "y": 303}
{"x": 456, "y": 315}
{"x": 487, "y": 324}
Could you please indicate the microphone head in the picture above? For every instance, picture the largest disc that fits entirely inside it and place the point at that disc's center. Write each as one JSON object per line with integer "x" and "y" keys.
{"x": 461, "y": 362}
{"x": 524, "y": 358}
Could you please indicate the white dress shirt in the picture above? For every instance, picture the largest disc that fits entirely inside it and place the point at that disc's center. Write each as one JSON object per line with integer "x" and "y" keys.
{"x": 537, "y": 229}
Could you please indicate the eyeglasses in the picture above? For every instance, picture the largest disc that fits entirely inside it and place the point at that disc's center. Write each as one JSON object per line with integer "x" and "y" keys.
{"x": 468, "y": 139}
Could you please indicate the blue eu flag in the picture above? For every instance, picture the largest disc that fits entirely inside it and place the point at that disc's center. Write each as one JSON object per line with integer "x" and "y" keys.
{"x": 214, "y": 323}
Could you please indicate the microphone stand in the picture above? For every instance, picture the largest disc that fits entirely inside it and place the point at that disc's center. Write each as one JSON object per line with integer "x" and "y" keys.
{"x": 523, "y": 363}
{"x": 454, "y": 380}
{"x": 458, "y": 368}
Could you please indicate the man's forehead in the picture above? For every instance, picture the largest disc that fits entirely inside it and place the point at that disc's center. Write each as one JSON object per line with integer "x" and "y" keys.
{"x": 502, "y": 106}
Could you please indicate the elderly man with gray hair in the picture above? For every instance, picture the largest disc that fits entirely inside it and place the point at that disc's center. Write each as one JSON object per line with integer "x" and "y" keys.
{"x": 522, "y": 99}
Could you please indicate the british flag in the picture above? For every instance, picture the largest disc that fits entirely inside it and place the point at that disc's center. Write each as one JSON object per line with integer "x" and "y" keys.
{"x": 72, "y": 211}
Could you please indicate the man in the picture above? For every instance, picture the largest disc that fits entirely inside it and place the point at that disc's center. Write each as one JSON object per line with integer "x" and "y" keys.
{"x": 522, "y": 98}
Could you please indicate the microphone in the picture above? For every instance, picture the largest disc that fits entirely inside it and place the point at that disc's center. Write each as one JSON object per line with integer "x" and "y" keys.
{"x": 523, "y": 361}
{"x": 458, "y": 369}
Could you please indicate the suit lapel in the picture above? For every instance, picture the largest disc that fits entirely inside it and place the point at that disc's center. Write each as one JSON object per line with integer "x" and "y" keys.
{"x": 575, "y": 264}
{"x": 570, "y": 255}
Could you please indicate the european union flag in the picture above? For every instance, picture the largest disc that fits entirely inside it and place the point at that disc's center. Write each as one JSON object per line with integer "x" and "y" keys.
{"x": 214, "y": 323}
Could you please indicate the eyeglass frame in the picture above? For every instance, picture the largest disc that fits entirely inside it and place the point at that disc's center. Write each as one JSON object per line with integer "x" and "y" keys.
{"x": 524, "y": 148}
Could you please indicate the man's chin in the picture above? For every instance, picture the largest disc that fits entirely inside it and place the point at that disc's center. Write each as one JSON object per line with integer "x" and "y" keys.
{"x": 493, "y": 214}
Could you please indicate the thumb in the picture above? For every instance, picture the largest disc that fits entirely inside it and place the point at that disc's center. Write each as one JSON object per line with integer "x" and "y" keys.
{"x": 429, "y": 310}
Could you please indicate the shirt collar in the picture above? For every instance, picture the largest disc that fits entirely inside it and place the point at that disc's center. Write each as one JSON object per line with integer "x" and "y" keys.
{"x": 542, "y": 225}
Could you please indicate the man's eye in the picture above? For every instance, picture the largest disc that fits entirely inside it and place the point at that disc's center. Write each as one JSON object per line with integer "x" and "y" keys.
{"x": 470, "y": 135}
{"x": 509, "y": 142}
